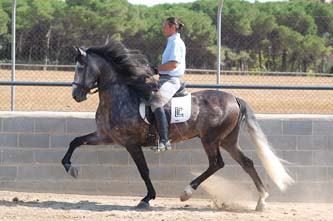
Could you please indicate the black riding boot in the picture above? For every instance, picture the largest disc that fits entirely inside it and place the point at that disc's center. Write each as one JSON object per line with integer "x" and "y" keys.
{"x": 162, "y": 127}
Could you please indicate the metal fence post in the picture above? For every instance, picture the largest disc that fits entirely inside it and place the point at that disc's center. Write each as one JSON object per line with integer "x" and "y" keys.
{"x": 219, "y": 15}
{"x": 13, "y": 55}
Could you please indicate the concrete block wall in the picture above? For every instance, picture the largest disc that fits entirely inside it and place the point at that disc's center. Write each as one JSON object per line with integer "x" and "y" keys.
{"x": 32, "y": 145}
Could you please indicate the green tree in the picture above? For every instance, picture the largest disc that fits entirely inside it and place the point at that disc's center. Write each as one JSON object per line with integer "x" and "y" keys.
{"x": 262, "y": 26}
{"x": 272, "y": 35}
{"x": 4, "y": 19}
{"x": 312, "y": 51}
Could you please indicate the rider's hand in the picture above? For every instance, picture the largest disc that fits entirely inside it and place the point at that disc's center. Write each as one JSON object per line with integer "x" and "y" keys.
{"x": 155, "y": 70}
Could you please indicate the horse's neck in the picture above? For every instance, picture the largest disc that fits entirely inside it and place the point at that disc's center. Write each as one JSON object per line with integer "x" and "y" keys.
{"x": 116, "y": 99}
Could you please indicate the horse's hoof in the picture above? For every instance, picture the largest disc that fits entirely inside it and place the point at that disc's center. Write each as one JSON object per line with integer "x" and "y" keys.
{"x": 260, "y": 207}
{"x": 73, "y": 171}
{"x": 143, "y": 205}
{"x": 184, "y": 197}
{"x": 187, "y": 194}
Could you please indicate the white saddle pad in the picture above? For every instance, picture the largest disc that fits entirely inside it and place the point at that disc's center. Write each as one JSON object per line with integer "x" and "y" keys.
{"x": 180, "y": 109}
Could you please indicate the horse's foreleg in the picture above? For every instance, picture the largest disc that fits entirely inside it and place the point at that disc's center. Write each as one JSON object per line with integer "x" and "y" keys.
{"x": 215, "y": 163}
{"x": 90, "y": 139}
{"x": 140, "y": 161}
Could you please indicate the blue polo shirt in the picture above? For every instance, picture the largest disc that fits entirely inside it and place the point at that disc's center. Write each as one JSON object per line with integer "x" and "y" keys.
{"x": 175, "y": 51}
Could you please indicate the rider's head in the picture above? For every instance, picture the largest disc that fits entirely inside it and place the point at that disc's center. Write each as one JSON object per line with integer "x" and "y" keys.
{"x": 171, "y": 26}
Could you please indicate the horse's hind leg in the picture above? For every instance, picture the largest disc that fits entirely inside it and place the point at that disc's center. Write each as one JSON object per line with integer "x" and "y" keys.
{"x": 248, "y": 166}
{"x": 215, "y": 163}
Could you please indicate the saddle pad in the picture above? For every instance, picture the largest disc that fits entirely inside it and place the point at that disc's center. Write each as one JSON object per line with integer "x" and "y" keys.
{"x": 180, "y": 109}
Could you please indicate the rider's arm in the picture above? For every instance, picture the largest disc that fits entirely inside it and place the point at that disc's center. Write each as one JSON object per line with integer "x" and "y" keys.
{"x": 168, "y": 66}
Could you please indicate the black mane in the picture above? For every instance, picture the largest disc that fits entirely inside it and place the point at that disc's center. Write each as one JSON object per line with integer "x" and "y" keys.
{"x": 128, "y": 63}
{"x": 131, "y": 66}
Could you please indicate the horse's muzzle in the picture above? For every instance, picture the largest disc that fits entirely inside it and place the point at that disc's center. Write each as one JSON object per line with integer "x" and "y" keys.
{"x": 79, "y": 95}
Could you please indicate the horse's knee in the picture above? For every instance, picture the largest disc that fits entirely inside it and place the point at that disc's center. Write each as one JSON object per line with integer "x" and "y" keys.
{"x": 75, "y": 142}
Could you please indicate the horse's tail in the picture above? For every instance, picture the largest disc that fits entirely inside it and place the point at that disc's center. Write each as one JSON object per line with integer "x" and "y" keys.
{"x": 270, "y": 161}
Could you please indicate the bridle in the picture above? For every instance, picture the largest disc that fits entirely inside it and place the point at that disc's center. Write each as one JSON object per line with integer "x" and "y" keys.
{"x": 86, "y": 89}
{"x": 98, "y": 86}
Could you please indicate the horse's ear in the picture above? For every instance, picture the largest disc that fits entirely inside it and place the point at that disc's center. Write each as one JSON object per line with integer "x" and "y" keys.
{"x": 82, "y": 52}
{"x": 76, "y": 49}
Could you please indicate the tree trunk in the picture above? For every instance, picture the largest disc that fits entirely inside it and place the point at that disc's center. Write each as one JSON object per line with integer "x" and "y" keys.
{"x": 274, "y": 62}
{"x": 47, "y": 51}
{"x": 284, "y": 61}
{"x": 305, "y": 65}
{"x": 20, "y": 44}
{"x": 30, "y": 54}
{"x": 58, "y": 53}
{"x": 260, "y": 59}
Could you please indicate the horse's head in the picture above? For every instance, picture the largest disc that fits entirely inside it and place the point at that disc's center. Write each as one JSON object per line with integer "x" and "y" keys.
{"x": 86, "y": 75}
{"x": 110, "y": 64}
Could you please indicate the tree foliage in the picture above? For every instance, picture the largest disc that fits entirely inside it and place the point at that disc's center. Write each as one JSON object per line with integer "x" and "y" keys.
{"x": 275, "y": 36}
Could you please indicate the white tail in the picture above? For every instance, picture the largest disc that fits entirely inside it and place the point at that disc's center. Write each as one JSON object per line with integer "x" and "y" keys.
{"x": 270, "y": 161}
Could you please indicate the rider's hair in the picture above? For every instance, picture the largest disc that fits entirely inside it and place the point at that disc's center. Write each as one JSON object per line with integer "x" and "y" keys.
{"x": 175, "y": 21}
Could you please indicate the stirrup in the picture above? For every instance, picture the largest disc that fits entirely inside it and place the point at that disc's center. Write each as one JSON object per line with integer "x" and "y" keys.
{"x": 162, "y": 146}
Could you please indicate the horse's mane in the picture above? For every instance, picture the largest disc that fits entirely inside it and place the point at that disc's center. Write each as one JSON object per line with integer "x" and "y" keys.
{"x": 132, "y": 67}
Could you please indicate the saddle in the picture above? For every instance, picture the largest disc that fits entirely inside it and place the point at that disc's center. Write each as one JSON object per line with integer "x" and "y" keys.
{"x": 178, "y": 110}
{"x": 181, "y": 91}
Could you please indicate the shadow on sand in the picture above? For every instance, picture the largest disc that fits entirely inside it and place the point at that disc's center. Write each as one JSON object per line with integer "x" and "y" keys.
{"x": 98, "y": 207}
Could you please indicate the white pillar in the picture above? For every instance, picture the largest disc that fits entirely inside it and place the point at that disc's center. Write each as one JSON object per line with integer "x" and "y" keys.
{"x": 218, "y": 61}
{"x": 13, "y": 54}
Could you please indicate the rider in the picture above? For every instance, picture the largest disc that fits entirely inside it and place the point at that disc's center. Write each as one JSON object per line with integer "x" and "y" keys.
{"x": 170, "y": 71}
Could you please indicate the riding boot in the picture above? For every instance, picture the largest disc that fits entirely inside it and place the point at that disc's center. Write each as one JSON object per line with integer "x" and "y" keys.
{"x": 162, "y": 127}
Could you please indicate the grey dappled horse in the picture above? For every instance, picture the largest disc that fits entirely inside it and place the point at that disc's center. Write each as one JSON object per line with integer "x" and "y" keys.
{"x": 120, "y": 75}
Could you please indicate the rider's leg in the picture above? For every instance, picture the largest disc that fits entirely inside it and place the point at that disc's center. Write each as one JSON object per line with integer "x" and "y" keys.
{"x": 162, "y": 97}
{"x": 162, "y": 127}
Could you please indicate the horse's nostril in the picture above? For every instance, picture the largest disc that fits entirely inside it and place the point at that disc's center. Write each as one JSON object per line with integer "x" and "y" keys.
{"x": 75, "y": 96}
{"x": 79, "y": 95}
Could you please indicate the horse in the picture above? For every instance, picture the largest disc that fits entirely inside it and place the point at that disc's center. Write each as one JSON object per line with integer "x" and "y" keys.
{"x": 122, "y": 77}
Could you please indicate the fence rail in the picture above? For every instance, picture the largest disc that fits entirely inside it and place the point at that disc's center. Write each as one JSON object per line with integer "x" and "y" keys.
{"x": 48, "y": 88}
{"x": 188, "y": 70}
{"x": 203, "y": 86}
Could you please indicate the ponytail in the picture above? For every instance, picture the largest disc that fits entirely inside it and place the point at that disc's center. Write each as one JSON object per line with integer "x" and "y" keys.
{"x": 174, "y": 21}
{"x": 180, "y": 26}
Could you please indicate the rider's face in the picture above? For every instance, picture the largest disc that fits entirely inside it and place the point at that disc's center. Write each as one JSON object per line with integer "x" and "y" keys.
{"x": 168, "y": 29}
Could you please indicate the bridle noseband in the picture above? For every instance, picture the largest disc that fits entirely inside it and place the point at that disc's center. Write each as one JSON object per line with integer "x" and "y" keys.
{"x": 86, "y": 89}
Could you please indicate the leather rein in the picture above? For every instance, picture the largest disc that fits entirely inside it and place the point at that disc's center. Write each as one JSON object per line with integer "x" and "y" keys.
{"x": 96, "y": 88}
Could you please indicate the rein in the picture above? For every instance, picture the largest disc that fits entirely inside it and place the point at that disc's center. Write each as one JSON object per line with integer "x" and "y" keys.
{"x": 96, "y": 88}
{"x": 86, "y": 89}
